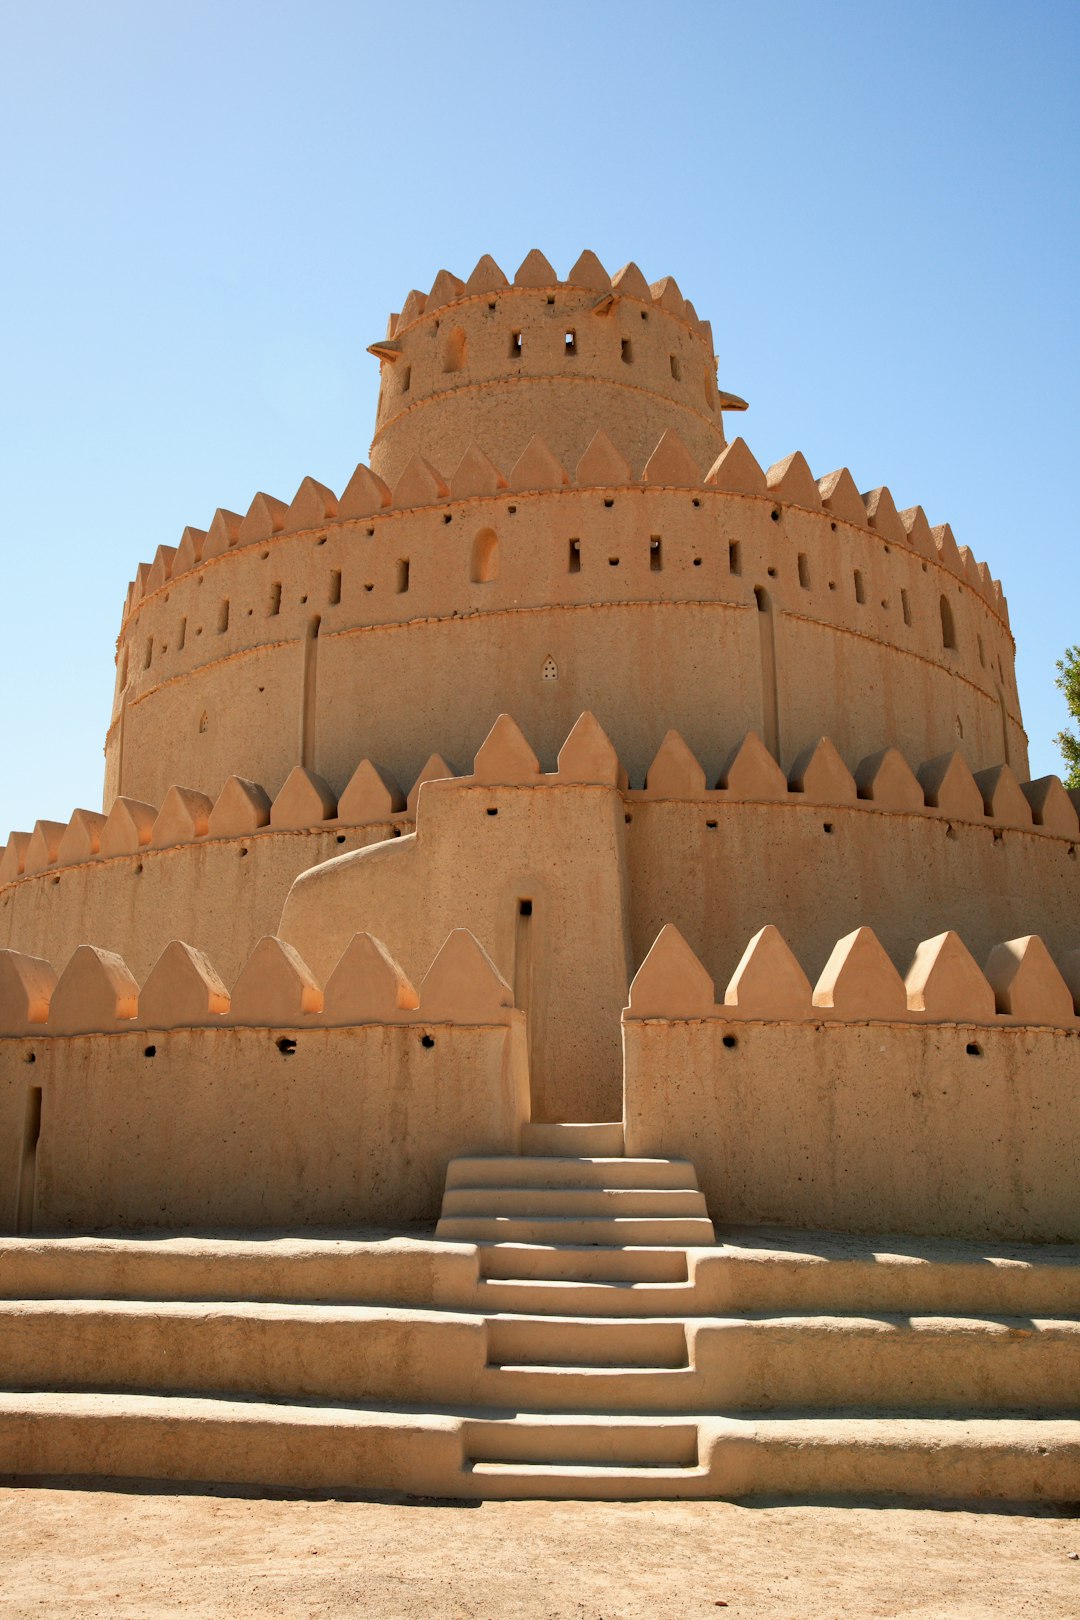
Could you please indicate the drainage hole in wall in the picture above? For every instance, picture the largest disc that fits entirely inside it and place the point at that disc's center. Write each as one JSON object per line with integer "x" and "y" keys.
{"x": 832, "y": 584}
{"x": 149, "y": 1051}
{"x": 973, "y": 1049}
{"x": 697, "y": 562}
{"x": 1072, "y": 852}
{"x": 340, "y": 838}
{"x": 448, "y": 517}
{"x": 999, "y": 835}
{"x": 826, "y": 826}
{"x": 286, "y": 1046}
{"x": 775, "y": 514}
{"x": 772, "y": 573}
{"x": 263, "y": 555}
{"x": 138, "y": 867}
{"x": 396, "y": 833}
{"x": 428, "y": 1041}
{"x": 730, "y": 1041}
{"x": 950, "y": 831}
{"x": 512, "y": 510}
{"x": 370, "y": 534}
{"x": 613, "y": 562}
{"x": 609, "y": 503}
{"x": 30, "y": 1057}
{"x": 55, "y": 881}
{"x": 242, "y": 851}
{"x": 832, "y": 526}
{"x": 321, "y": 541}
{"x": 369, "y": 587}
{"x": 710, "y": 824}
{"x": 628, "y": 818}
{"x": 492, "y": 811}
{"x": 696, "y": 501}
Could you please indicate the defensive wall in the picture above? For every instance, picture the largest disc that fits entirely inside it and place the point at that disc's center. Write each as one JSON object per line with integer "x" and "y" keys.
{"x": 945, "y": 1103}
{"x": 509, "y": 851}
{"x": 282, "y": 1103}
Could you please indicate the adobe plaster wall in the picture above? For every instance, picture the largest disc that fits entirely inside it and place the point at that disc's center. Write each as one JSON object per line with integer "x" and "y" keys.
{"x": 391, "y": 672}
{"x": 219, "y": 1127}
{"x": 865, "y": 1127}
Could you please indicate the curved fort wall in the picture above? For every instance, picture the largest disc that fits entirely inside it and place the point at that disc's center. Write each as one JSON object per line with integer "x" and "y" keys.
{"x": 790, "y": 607}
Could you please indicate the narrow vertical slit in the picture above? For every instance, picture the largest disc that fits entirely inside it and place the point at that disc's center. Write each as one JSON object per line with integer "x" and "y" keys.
{"x": 24, "y": 1211}
{"x": 309, "y": 697}
{"x": 656, "y": 555}
{"x": 770, "y": 697}
{"x": 523, "y": 968}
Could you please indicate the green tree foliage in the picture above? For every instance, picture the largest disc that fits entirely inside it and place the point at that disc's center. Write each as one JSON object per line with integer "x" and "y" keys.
{"x": 1068, "y": 680}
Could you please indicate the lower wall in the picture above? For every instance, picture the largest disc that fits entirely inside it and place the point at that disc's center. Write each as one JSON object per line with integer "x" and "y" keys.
{"x": 865, "y": 1127}
{"x": 224, "y": 1128}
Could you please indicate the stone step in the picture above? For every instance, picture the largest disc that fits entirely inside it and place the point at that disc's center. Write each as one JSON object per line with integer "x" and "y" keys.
{"x": 565, "y": 1263}
{"x": 605, "y": 1231}
{"x": 541, "y": 1171}
{"x": 510, "y": 1481}
{"x": 528, "y": 1202}
{"x": 594, "y": 1441}
{"x": 548, "y": 1387}
{"x": 539, "y": 1296}
{"x": 574, "y": 1141}
{"x": 566, "y": 1341}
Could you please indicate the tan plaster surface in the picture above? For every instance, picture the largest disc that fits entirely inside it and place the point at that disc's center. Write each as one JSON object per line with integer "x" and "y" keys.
{"x": 93, "y": 1553}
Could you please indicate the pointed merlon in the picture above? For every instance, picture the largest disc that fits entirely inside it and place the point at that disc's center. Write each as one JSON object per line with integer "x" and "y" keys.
{"x": 672, "y": 464}
{"x": 305, "y": 800}
{"x": 676, "y": 772}
{"x": 444, "y": 290}
{"x": 588, "y": 754}
{"x": 223, "y": 533}
{"x": 971, "y": 569}
{"x": 26, "y": 987}
{"x": 189, "y": 552}
{"x": 791, "y": 480}
{"x": 750, "y": 772}
{"x": 183, "y": 990}
{"x": 860, "y": 981}
{"x": 412, "y": 308}
{"x": 769, "y": 981}
{"x": 589, "y": 272}
{"x": 630, "y": 283}
{"x": 888, "y": 781}
{"x": 265, "y": 517}
{"x": 475, "y": 474}
{"x": 504, "y": 757}
{"x": 183, "y": 817}
{"x": 44, "y": 845}
{"x": 841, "y": 499}
{"x": 945, "y": 982}
{"x": 602, "y": 465}
{"x": 949, "y": 787}
{"x": 276, "y": 987}
{"x": 364, "y": 494}
{"x": 671, "y": 982}
{"x": 367, "y": 986}
{"x": 917, "y": 529}
{"x": 160, "y": 569}
{"x": 736, "y": 471}
{"x": 13, "y": 860}
{"x": 822, "y": 776}
{"x": 372, "y": 794}
{"x": 142, "y": 574}
{"x": 128, "y": 827}
{"x": 312, "y": 505}
{"x": 240, "y": 808}
{"x": 882, "y": 516}
{"x": 1003, "y": 799}
{"x": 1051, "y": 807}
{"x": 95, "y": 992}
{"x": 666, "y": 295}
{"x": 486, "y": 277}
{"x": 948, "y": 552}
{"x": 436, "y": 769}
{"x": 463, "y": 985}
{"x": 420, "y": 484}
{"x": 1027, "y": 984}
{"x": 535, "y": 271}
{"x": 82, "y": 837}
{"x": 537, "y": 467}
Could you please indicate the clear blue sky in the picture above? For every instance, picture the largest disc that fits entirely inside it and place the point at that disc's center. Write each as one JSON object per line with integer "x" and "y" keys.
{"x": 210, "y": 209}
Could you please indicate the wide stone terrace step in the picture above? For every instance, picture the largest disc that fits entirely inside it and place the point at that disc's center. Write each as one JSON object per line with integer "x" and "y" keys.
{"x": 574, "y": 1141}
{"x": 612, "y": 1231}
{"x": 550, "y": 1171}
{"x": 526, "y": 1202}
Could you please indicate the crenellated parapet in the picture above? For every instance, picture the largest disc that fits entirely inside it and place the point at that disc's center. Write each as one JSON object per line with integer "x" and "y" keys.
{"x": 557, "y": 585}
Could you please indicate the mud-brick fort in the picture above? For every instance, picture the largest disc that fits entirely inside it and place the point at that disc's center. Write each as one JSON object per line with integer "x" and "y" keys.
{"x": 571, "y": 990}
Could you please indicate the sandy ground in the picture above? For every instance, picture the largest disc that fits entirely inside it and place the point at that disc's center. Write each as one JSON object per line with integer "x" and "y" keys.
{"x": 121, "y": 1552}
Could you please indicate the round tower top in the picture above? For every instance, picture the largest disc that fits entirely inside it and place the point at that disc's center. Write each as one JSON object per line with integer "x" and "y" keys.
{"x": 494, "y": 362}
